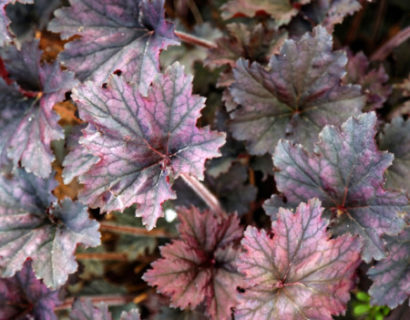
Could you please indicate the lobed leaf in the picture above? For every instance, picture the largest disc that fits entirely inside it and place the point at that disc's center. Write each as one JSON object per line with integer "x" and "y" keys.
{"x": 28, "y": 123}
{"x": 299, "y": 273}
{"x": 198, "y": 268}
{"x": 346, "y": 174}
{"x": 372, "y": 81}
{"x": 395, "y": 138}
{"x": 328, "y": 13}
{"x": 391, "y": 276}
{"x": 295, "y": 97}
{"x": 24, "y": 294}
{"x": 124, "y": 34}
{"x": 5, "y": 37}
{"x": 33, "y": 225}
{"x": 143, "y": 143}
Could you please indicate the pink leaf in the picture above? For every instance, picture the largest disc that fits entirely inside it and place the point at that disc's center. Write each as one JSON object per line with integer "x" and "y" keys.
{"x": 299, "y": 273}
{"x": 198, "y": 268}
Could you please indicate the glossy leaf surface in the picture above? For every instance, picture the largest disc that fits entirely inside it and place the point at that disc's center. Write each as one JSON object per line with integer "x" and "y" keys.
{"x": 346, "y": 174}
{"x": 299, "y": 273}
{"x": 198, "y": 267}
{"x": 33, "y": 225}
{"x": 295, "y": 97}
{"x": 124, "y": 34}
{"x": 143, "y": 143}
{"x": 25, "y": 294}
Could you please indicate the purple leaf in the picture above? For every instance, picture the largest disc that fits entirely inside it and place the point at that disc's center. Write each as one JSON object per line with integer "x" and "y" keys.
{"x": 391, "y": 276}
{"x": 328, "y": 13}
{"x": 346, "y": 174}
{"x": 24, "y": 294}
{"x": 299, "y": 273}
{"x": 296, "y": 97}
{"x": 198, "y": 267}
{"x": 4, "y": 20}
{"x": 83, "y": 309}
{"x": 372, "y": 81}
{"x": 28, "y": 122}
{"x": 125, "y": 34}
{"x": 78, "y": 161}
{"x": 33, "y": 225}
{"x": 143, "y": 143}
{"x": 281, "y": 10}
{"x": 395, "y": 138}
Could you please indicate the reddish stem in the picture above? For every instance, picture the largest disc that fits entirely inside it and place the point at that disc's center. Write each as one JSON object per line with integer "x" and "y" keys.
{"x": 110, "y": 300}
{"x": 388, "y": 47}
{"x": 188, "y": 38}
{"x": 157, "y": 233}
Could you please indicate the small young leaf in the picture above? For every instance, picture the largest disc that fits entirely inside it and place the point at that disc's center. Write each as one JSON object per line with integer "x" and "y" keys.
{"x": 199, "y": 267}
{"x": 299, "y": 273}
{"x": 24, "y": 294}
{"x": 143, "y": 143}
{"x": 4, "y": 20}
{"x": 346, "y": 174}
{"x": 372, "y": 81}
{"x": 296, "y": 97}
{"x": 28, "y": 123}
{"x": 395, "y": 138}
{"x": 33, "y": 225}
{"x": 391, "y": 276}
{"x": 281, "y": 10}
{"x": 83, "y": 309}
{"x": 328, "y": 13}
{"x": 125, "y": 34}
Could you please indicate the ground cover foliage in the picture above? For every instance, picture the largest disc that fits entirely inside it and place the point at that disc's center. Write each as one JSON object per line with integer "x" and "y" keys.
{"x": 204, "y": 159}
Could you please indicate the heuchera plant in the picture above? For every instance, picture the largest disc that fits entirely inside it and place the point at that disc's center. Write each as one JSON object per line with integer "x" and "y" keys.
{"x": 230, "y": 159}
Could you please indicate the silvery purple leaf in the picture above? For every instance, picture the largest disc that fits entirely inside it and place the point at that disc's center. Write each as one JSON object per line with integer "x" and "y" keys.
{"x": 299, "y": 272}
{"x": 395, "y": 138}
{"x": 295, "y": 96}
{"x": 122, "y": 34}
{"x": 391, "y": 276}
{"x": 24, "y": 294}
{"x": 33, "y": 225}
{"x": 143, "y": 143}
{"x": 4, "y": 20}
{"x": 346, "y": 173}
{"x": 28, "y": 121}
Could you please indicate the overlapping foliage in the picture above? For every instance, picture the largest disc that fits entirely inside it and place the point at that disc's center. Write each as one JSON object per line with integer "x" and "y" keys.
{"x": 293, "y": 126}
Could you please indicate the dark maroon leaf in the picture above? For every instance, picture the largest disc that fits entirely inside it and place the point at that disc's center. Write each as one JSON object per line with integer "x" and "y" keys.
{"x": 299, "y": 273}
{"x": 281, "y": 10}
{"x": 143, "y": 143}
{"x": 372, "y": 81}
{"x": 330, "y": 12}
{"x": 198, "y": 267}
{"x": 295, "y": 97}
{"x": 125, "y": 34}
{"x": 28, "y": 123}
{"x": 83, "y": 309}
{"x": 33, "y": 225}
{"x": 391, "y": 276}
{"x": 346, "y": 174}
{"x": 395, "y": 138}
{"x": 4, "y": 20}
{"x": 24, "y": 295}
